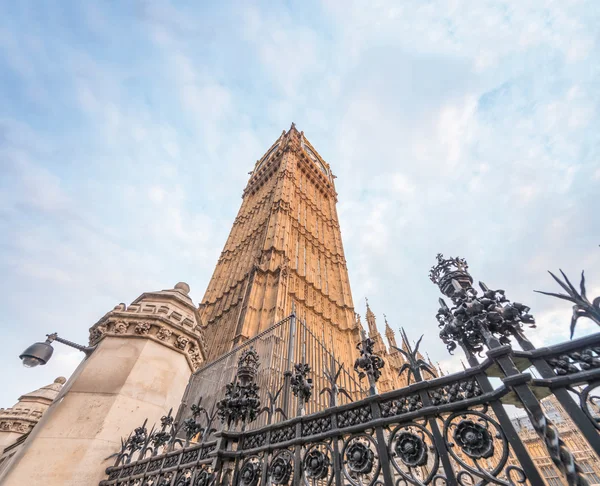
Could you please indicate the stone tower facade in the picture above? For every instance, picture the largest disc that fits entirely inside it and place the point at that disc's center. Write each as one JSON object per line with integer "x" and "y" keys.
{"x": 285, "y": 249}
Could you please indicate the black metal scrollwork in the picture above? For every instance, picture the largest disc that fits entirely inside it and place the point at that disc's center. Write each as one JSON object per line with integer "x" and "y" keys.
{"x": 361, "y": 466}
{"x": 582, "y": 306}
{"x": 317, "y": 463}
{"x": 414, "y": 455}
{"x": 590, "y": 403}
{"x": 249, "y": 473}
{"x": 241, "y": 402}
{"x": 474, "y": 439}
{"x": 473, "y": 315}
{"x": 281, "y": 467}
{"x": 368, "y": 363}
{"x": 411, "y": 449}
{"x": 204, "y": 477}
{"x": 481, "y": 439}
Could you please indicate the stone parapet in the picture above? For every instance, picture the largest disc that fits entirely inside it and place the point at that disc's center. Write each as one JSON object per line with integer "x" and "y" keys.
{"x": 167, "y": 317}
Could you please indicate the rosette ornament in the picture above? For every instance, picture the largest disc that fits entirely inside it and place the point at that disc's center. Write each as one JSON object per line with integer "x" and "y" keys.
{"x": 316, "y": 464}
{"x": 474, "y": 439}
{"x": 411, "y": 449}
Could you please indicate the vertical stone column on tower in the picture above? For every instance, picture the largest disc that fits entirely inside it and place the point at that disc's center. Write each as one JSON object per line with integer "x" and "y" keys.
{"x": 144, "y": 357}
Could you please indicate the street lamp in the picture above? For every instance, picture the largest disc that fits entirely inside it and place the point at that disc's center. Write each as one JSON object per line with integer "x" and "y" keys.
{"x": 40, "y": 353}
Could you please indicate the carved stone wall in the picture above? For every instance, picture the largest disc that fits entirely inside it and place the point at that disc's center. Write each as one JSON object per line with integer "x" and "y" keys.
{"x": 168, "y": 317}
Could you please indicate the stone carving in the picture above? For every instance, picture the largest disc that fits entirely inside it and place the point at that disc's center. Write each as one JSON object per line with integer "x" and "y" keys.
{"x": 181, "y": 342}
{"x": 142, "y": 328}
{"x": 194, "y": 354}
{"x": 97, "y": 332}
{"x": 120, "y": 328}
{"x": 164, "y": 333}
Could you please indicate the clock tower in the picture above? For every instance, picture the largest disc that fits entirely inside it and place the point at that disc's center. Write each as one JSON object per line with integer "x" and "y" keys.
{"x": 285, "y": 249}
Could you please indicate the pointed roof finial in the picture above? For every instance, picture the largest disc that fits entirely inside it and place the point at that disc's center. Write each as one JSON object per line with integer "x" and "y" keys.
{"x": 367, "y": 301}
{"x": 293, "y": 127}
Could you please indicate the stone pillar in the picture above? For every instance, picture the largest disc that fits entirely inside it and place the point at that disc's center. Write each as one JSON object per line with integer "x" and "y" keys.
{"x": 144, "y": 357}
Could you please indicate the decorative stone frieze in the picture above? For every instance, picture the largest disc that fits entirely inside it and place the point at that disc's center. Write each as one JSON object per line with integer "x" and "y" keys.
{"x": 168, "y": 317}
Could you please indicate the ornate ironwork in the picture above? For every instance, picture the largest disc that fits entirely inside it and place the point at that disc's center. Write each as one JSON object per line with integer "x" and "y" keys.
{"x": 399, "y": 406}
{"x": 412, "y": 447}
{"x": 300, "y": 383}
{"x": 280, "y": 470}
{"x": 414, "y": 364}
{"x": 473, "y": 317}
{"x": 333, "y": 390}
{"x": 249, "y": 474}
{"x": 360, "y": 463}
{"x": 448, "y": 430}
{"x": 368, "y": 363}
{"x": 454, "y": 392}
{"x": 582, "y": 306}
{"x": 241, "y": 402}
{"x": 474, "y": 439}
{"x": 272, "y": 408}
{"x": 317, "y": 462}
{"x": 354, "y": 416}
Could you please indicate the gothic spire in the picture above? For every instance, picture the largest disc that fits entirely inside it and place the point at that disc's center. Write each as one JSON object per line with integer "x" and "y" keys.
{"x": 371, "y": 321}
{"x": 389, "y": 333}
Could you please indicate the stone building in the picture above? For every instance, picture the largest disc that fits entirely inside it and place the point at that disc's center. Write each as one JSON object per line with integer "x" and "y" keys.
{"x": 284, "y": 249}
{"x": 143, "y": 357}
{"x": 17, "y": 422}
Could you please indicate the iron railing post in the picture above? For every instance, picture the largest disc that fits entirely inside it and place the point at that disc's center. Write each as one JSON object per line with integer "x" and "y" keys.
{"x": 382, "y": 450}
{"x": 290, "y": 361}
{"x": 519, "y": 449}
{"x": 565, "y": 399}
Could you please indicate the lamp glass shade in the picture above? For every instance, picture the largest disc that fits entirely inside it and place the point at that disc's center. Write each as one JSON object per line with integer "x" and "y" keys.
{"x": 37, "y": 354}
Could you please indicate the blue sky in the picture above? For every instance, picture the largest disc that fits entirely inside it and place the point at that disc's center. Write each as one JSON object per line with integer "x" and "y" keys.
{"x": 127, "y": 130}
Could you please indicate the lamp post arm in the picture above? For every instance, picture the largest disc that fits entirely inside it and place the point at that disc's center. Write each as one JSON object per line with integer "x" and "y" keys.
{"x": 84, "y": 349}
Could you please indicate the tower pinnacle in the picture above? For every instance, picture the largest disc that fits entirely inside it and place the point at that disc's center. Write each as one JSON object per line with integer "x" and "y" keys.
{"x": 389, "y": 333}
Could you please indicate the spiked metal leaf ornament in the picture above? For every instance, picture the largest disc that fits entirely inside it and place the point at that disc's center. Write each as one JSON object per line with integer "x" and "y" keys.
{"x": 583, "y": 307}
{"x": 333, "y": 390}
{"x": 473, "y": 317}
{"x": 414, "y": 365}
{"x": 272, "y": 408}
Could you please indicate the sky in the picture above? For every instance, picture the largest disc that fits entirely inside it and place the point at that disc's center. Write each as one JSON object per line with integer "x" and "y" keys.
{"x": 127, "y": 130}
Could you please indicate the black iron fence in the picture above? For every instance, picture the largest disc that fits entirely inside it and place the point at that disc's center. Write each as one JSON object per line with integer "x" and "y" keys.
{"x": 449, "y": 430}
{"x": 277, "y": 348}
